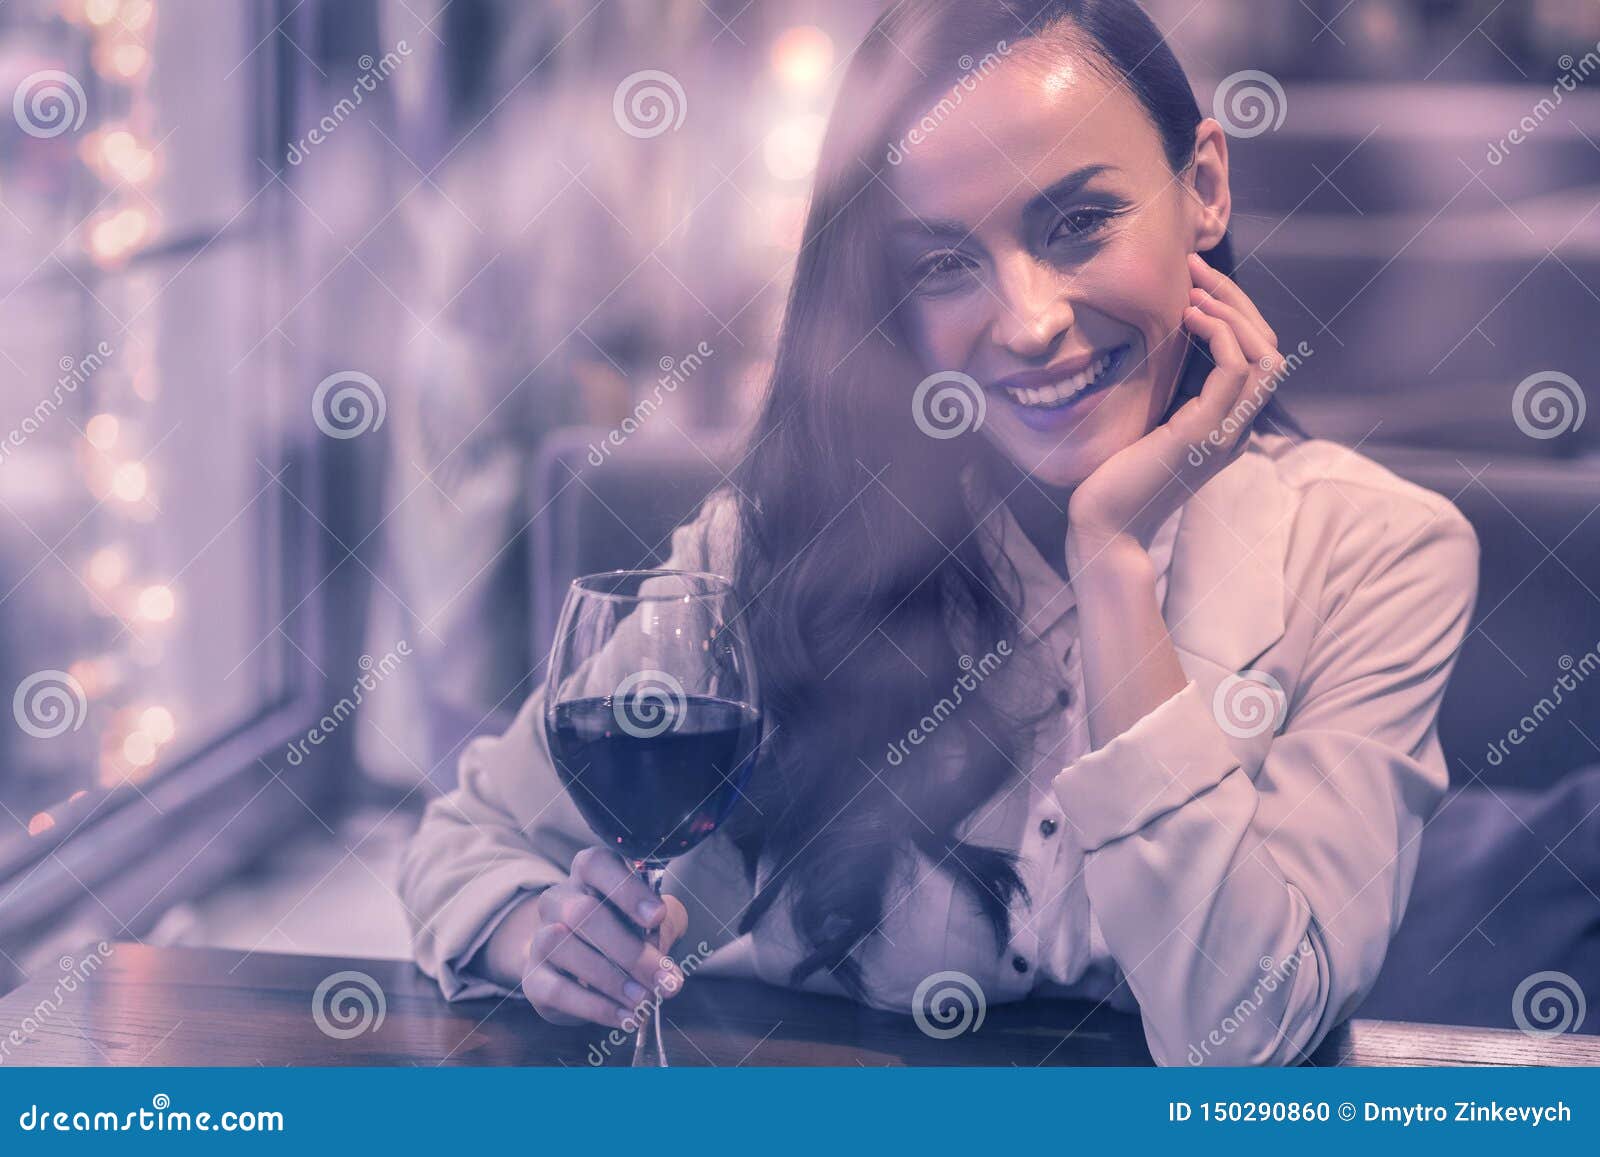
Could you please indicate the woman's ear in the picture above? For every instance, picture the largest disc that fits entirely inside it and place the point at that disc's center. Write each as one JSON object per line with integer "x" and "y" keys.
{"x": 1211, "y": 204}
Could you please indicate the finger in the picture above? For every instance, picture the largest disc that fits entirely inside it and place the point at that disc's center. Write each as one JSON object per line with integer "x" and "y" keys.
{"x": 613, "y": 877}
{"x": 675, "y": 923}
{"x": 595, "y": 920}
{"x": 1224, "y": 384}
{"x": 1219, "y": 284}
{"x": 1253, "y": 337}
{"x": 558, "y": 945}
{"x": 1228, "y": 357}
{"x": 552, "y": 993}
{"x": 1267, "y": 364}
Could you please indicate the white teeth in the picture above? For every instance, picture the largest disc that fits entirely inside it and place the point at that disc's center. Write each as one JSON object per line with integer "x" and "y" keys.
{"x": 1055, "y": 395}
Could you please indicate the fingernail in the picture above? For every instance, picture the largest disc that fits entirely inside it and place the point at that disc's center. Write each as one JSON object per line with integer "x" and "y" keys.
{"x": 666, "y": 981}
{"x": 650, "y": 909}
{"x": 633, "y": 990}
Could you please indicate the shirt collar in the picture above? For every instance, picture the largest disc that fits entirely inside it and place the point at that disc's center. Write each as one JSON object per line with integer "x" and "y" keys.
{"x": 1044, "y": 597}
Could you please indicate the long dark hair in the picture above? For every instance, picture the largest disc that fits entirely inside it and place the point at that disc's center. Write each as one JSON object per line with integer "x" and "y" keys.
{"x": 867, "y": 593}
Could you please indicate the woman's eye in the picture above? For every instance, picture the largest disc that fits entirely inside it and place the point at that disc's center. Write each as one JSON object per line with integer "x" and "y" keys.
{"x": 938, "y": 271}
{"x": 1080, "y": 224}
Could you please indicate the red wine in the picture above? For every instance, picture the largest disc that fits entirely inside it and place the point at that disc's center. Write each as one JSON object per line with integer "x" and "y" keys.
{"x": 653, "y": 791}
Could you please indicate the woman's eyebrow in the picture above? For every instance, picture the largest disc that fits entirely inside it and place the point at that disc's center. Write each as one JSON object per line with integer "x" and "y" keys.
{"x": 1051, "y": 199}
{"x": 921, "y": 227}
{"x": 1045, "y": 202}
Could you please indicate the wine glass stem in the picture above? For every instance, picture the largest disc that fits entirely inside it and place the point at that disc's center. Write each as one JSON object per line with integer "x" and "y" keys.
{"x": 649, "y": 1015}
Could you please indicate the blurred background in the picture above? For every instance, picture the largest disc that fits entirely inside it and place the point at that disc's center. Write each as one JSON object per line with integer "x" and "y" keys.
{"x": 337, "y": 335}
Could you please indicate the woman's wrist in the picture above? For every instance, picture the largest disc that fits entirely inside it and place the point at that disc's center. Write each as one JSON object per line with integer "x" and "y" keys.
{"x": 504, "y": 956}
{"x": 1129, "y": 664}
{"x": 1107, "y": 564}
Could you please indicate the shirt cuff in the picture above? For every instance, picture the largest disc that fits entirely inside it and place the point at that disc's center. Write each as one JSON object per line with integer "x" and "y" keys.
{"x": 1160, "y": 763}
{"x": 492, "y": 901}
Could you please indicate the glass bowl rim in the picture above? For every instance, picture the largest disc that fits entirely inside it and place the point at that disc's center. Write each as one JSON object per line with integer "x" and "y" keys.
{"x": 720, "y": 585}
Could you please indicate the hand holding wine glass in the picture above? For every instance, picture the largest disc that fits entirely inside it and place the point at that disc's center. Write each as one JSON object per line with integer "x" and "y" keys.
{"x": 591, "y": 955}
{"x": 652, "y": 717}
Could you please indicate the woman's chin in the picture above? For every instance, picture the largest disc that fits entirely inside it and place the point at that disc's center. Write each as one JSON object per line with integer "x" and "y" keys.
{"x": 1056, "y": 460}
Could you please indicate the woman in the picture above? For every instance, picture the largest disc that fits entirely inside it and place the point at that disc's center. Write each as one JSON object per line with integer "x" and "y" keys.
{"x": 1010, "y": 417}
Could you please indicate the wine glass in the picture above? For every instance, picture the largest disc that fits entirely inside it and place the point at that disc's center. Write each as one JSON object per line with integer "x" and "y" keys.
{"x": 653, "y": 717}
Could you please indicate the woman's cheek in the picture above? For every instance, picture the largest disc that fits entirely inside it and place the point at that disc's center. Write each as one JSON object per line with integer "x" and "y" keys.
{"x": 943, "y": 334}
{"x": 1149, "y": 260}
{"x": 1143, "y": 286}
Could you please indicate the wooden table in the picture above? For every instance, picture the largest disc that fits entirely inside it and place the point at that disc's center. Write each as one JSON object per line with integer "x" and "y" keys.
{"x": 192, "y": 1006}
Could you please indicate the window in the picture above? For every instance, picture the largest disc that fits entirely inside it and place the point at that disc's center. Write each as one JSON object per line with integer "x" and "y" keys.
{"x": 147, "y": 547}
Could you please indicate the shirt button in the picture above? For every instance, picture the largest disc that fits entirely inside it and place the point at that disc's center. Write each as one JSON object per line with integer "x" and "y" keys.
{"x": 1047, "y": 827}
{"x": 1064, "y": 697}
{"x": 1020, "y": 963}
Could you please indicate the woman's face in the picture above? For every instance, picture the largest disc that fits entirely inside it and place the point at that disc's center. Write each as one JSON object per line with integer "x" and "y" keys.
{"x": 1039, "y": 243}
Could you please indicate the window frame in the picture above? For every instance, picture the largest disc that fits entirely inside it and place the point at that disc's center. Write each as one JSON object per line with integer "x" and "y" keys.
{"x": 136, "y": 851}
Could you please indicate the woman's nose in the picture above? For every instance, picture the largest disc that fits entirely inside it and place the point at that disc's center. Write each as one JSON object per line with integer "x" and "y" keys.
{"x": 1032, "y": 312}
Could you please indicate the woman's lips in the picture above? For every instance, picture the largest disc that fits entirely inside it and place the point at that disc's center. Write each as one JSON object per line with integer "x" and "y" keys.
{"x": 1049, "y": 399}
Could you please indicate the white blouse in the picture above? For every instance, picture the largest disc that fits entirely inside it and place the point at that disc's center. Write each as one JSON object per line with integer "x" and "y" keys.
{"x": 1231, "y": 868}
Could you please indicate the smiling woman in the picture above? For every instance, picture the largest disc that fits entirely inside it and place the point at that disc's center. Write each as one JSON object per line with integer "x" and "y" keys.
{"x": 1193, "y": 787}
{"x": 1038, "y": 226}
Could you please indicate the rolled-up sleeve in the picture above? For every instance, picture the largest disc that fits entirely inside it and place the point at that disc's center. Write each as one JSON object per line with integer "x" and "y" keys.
{"x": 509, "y": 829}
{"x": 506, "y": 831}
{"x": 1250, "y": 915}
